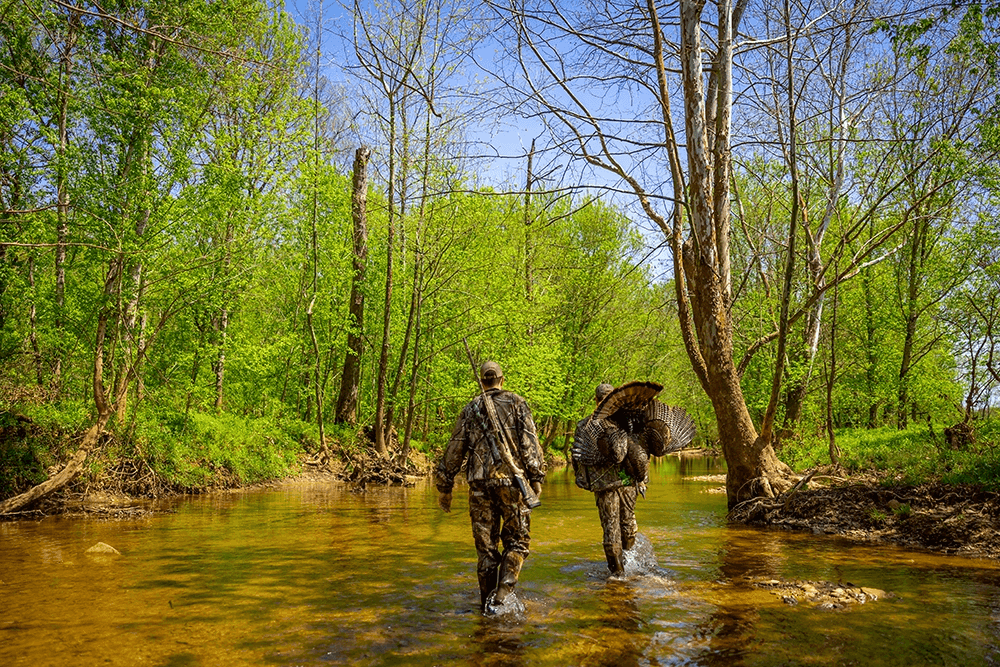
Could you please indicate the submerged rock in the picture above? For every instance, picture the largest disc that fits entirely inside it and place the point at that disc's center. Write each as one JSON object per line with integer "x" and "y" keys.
{"x": 102, "y": 548}
{"x": 821, "y": 594}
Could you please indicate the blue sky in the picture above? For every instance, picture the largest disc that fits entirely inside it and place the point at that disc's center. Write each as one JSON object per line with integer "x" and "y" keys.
{"x": 500, "y": 144}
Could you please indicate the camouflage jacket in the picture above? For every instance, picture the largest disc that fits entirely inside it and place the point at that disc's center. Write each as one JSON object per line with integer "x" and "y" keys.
{"x": 469, "y": 444}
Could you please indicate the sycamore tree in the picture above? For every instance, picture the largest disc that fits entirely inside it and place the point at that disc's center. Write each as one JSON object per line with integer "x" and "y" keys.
{"x": 570, "y": 56}
{"x": 644, "y": 94}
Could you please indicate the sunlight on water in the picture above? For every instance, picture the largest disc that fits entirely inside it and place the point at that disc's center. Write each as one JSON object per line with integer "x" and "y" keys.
{"x": 316, "y": 574}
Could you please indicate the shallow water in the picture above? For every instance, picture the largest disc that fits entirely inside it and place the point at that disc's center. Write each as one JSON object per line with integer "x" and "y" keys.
{"x": 317, "y": 574}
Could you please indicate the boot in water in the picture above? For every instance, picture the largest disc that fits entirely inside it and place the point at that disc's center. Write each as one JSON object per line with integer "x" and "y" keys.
{"x": 510, "y": 569}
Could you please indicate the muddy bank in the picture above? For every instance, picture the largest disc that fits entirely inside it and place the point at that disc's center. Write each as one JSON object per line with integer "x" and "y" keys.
{"x": 950, "y": 519}
{"x": 118, "y": 495}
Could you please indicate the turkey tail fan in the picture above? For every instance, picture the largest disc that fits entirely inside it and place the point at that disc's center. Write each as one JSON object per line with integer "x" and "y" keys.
{"x": 599, "y": 443}
{"x": 626, "y": 405}
{"x": 584, "y": 450}
{"x": 667, "y": 429}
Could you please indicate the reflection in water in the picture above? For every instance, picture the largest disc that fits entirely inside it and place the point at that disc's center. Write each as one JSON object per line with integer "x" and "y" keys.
{"x": 730, "y": 627}
{"x": 498, "y": 642}
{"x": 315, "y": 574}
{"x": 623, "y": 622}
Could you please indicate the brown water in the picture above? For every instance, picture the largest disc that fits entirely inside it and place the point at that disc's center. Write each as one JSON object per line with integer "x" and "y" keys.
{"x": 314, "y": 574}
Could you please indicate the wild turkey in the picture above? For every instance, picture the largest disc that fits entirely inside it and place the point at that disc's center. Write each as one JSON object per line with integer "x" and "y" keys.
{"x": 667, "y": 429}
{"x": 628, "y": 427}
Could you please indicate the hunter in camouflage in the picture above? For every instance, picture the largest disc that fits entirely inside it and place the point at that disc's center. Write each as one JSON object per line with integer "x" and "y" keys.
{"x": 614, "y": 488}
{"x": 500, "y": 515}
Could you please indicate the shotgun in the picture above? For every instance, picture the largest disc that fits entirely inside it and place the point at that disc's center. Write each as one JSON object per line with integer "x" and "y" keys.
{"x": 499, "y": 442}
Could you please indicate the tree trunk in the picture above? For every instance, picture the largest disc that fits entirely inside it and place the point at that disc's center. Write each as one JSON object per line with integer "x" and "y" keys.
{"x": 62, "y": 191}
{"x": 221, "y": 321}
{"x": 804, "y": 357}
{"x": 416, "y": 298}
{"x": 411, "y": 394}
{"x": 36, "y": 351}
{"x": 64, "y": 476}
{"x": 871, "y": 357}
{"x": 219, "y": 364}
{"x": 903, "y": 398}
{"x": 390, "y": 413}
{"x": 140, "y": 385}
{"x": 130, "y": 338}
{"x": 347, "y": 402}
{"x": 830, "y": 380}
{"x": 318, "y": 380}
{"x": 700, "y": 276}
{"x": 201, "y": 326}
{"x": 529, "y": 248}
{"x": 317, "y": 384}
{"x": 380, "y": 427}
{"x": 913, "y": 274}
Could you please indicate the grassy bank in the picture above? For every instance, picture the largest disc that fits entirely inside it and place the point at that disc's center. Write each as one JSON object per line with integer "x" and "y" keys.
{"x": 158, "y": 451}
{"x": 916, "y": 455}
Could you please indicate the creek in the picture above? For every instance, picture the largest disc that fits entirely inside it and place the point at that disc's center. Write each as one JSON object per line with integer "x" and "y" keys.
{"x": 312, "y": 573}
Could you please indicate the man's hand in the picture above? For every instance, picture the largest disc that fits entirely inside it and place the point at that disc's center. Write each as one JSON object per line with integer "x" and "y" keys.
{"x": 444, "y": 501}
{"x": 537, "y": 488}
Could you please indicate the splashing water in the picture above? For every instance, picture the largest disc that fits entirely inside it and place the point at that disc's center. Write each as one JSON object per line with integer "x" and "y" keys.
{"x": 510, "y": 610}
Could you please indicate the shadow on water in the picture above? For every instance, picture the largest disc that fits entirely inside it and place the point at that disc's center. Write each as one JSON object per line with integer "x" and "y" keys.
{"x": 313, "y": 574}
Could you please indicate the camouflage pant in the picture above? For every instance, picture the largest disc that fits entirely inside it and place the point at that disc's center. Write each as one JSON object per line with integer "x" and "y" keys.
{"x": 617, "y": 510}
{"x": 499, "y": 517}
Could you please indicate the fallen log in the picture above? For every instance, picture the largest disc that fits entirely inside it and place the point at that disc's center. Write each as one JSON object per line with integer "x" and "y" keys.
{"x": 61, "y": 478}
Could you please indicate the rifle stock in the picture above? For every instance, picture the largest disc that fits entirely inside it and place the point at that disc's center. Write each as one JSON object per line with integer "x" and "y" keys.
{"x": 499, "y": 443}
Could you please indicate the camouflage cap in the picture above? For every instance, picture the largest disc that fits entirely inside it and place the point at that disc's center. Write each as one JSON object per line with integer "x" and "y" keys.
{"x": 490, "y": 370}
{"x": 603, "y": 390}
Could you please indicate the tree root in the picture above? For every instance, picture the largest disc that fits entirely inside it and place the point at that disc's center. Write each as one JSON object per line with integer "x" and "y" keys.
{"x": 756, "y": 509}
{"x": 365, "y": 467}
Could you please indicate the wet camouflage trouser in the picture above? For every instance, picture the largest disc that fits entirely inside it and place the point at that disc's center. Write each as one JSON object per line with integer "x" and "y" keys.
{"x": 617, "y": 510}
{"x": 488, "y": 507}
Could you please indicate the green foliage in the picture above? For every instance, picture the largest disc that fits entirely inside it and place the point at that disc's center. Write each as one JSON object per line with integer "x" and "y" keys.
{"x": 912, "y": 456}
{"x": 537, "y": 373}
{"x": 190, "y": 452}
{"x": 902, "y": 512}
{"x": 216, "y": 449}
{"x": 876, "y": 517}
{"x": 23, "y": 455}
{"x": 205, "y": 218}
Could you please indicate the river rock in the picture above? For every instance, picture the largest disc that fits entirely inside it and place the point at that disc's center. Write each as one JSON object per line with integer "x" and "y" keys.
{"x": 873, "y": 593}
{"x": 820, "y": 594}
{"x": 102, "y": 548}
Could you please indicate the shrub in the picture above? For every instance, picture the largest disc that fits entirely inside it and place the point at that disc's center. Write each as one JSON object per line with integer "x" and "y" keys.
{"x": 21, "y": 455}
